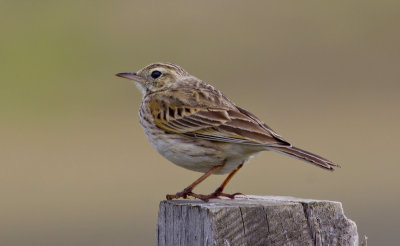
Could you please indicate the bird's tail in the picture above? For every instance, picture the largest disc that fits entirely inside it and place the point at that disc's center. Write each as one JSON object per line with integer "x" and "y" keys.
{"x": 306, "y": 156}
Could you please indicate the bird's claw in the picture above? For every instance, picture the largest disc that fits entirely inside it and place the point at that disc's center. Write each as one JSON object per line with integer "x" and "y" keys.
{"x": 215, "y": 195}
{"x": 184, "y": 194}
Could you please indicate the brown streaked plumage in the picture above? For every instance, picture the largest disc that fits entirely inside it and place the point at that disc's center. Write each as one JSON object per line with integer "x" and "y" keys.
{"x": 195, "y": 126}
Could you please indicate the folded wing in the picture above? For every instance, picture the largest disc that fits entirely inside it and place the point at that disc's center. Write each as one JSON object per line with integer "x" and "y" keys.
{"x": 208, "y": 120}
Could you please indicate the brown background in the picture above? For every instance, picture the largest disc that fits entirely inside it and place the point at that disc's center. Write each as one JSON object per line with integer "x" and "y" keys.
{"x": 75, "y": 167}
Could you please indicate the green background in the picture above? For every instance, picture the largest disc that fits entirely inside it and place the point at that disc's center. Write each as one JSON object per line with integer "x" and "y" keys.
{"x": 75, "y": 166}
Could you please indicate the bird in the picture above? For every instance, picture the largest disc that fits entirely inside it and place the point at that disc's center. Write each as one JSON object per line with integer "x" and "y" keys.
{"x": 195, "y": 126}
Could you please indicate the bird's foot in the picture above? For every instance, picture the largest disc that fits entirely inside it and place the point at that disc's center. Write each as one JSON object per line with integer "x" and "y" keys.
{"x": 183, "y": 194}
{"x": 232, "y": 196}
{"x": 215, "y": 195}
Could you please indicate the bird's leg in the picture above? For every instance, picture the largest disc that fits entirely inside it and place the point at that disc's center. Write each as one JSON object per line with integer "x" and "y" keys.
{"x": 188, "y": 190}
{"x": 218, "y": 192}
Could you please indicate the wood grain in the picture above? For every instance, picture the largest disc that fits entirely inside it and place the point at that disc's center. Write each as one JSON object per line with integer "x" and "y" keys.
{"x": 254, "y": 220}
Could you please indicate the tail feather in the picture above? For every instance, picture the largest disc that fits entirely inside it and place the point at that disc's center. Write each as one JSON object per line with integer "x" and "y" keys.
{"x": 306, "y": 156}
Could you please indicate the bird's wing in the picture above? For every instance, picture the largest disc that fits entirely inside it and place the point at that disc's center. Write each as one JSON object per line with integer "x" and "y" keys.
{"x": 207, "y": 114}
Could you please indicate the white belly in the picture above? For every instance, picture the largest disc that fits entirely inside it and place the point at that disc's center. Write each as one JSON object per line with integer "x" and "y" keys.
{"x": 200, "y": 155}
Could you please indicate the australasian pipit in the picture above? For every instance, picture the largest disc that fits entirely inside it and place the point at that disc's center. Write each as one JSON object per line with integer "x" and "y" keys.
{"x": 195, "y": 126}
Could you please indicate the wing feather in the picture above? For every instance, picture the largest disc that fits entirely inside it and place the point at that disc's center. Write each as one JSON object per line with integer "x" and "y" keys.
{"x": 219, "y": 121}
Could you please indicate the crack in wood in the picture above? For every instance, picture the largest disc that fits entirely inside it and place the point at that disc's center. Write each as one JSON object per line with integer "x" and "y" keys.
{"x": 254, "y": 221}
{"x": 307, "y": 216}
{"x": 241, "y": 216}
{"x": 266, "y": 218}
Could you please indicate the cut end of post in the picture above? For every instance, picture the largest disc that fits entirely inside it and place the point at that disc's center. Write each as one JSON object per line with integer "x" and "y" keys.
{"x": 254, "y": 220}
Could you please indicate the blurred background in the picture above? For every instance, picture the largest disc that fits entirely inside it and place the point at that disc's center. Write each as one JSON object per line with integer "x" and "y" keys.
{"x": 76, "y": 168}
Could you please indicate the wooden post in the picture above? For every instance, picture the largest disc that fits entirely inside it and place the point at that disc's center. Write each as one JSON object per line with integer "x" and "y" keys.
{"x": 254, "y": 220}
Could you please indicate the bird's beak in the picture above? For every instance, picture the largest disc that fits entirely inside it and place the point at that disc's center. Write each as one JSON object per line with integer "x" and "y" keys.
{"x": 131, "y": 76}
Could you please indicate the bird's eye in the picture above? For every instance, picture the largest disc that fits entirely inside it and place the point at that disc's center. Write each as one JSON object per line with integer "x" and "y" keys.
{"x": 155, "y": 74}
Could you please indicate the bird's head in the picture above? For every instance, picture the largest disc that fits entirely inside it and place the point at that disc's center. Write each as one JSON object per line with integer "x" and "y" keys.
{"x": 156, "y": 77}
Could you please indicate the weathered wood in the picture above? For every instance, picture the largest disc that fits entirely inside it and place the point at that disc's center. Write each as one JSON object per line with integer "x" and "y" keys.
{"x": 254, "y": 220}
